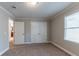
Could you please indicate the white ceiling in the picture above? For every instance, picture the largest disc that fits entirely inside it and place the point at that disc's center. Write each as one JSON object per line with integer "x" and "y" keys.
{"x": 43, "y": 9}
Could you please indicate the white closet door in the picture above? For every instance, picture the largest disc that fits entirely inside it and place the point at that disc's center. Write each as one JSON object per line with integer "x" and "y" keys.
{"x": 38, "y": 32}
{"x": 43, "y": 31}
{"x": 19, "y": 32}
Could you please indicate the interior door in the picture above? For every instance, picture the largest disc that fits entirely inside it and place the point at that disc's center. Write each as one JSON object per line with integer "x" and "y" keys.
{"x": 38, "y": 32}
{"x": 43, "y": 31}
{"x": 35, "y": 32}
{"x": 19, "y": 32}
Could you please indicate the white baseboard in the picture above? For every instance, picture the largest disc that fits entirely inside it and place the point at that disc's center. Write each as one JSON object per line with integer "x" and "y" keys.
{"x": 36, "y": 42}
{"x": 4, "y": 51}
{"x": 70, "y": 53}
{"x": 41, "y": 42}
{"x": 27, "y": 43}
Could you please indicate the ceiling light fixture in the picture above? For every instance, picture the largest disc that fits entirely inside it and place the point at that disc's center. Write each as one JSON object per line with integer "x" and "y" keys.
{"x": 32, "y": 2}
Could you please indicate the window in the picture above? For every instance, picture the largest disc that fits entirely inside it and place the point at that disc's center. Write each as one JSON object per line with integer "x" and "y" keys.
{"x": 72, "y": 27}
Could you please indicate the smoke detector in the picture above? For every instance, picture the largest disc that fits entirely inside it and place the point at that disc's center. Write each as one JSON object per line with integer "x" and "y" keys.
{"x": 14, "y": 7}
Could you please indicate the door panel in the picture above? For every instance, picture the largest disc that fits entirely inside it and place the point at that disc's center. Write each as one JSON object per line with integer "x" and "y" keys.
{"x": 43, "y": 31}
{"x": 34, "y": 32}
{"x": 38, "y": 32}
{"x": 19, "y": 32}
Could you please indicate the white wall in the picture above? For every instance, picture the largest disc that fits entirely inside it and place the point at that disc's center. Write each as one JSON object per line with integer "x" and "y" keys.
{"x": 27, "y": 31}
{"x": 4, "y": 29}
{"x": 58, "y": 29}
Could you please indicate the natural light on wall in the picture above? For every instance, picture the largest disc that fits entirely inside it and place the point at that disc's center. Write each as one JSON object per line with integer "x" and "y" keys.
{"x": 72, "y": 27}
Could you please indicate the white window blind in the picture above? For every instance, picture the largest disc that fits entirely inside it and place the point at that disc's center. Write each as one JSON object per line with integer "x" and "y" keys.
{"x": 72, "y": 27}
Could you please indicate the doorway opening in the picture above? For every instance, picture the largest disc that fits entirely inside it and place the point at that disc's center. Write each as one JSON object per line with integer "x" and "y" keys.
{"x": 11, "y": 33}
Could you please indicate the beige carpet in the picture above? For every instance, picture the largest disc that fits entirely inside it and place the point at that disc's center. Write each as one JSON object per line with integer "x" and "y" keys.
{"x": 35, "y": 50}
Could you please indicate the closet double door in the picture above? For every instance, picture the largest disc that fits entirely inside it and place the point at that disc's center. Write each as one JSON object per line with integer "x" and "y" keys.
{"x": 38, "y": 31}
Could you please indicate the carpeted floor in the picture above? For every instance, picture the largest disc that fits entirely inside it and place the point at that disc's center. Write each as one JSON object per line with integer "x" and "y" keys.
{"x": 35, "y": 50}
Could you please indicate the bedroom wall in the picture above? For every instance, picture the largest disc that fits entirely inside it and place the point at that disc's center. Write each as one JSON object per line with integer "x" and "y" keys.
{"x": 4, "y": 29}
{"x": 58, "y": 29}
